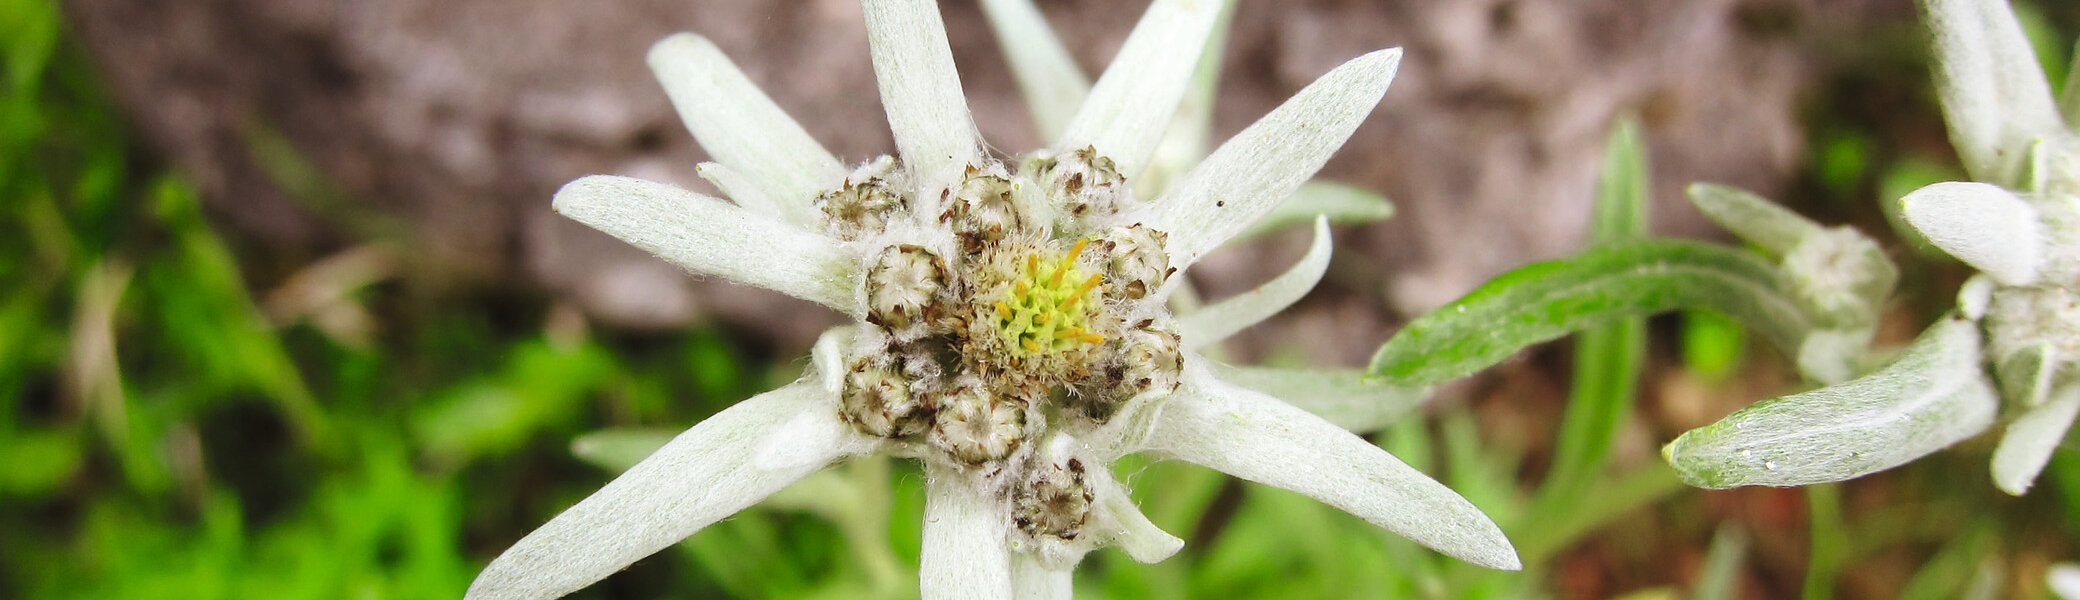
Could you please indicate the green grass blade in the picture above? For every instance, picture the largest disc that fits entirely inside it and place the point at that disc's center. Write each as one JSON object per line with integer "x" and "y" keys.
{"x": 1607, "y": 357}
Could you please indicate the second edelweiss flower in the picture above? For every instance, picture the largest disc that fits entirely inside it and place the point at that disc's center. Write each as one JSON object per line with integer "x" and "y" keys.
{"x": 1012, "y": 331}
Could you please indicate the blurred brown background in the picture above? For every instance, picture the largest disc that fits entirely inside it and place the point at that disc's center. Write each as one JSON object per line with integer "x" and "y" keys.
{"x": 311, "y": 124}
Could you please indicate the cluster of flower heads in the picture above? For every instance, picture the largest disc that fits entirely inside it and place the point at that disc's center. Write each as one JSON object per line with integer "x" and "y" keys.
{"x": 1014, "y": 306}
{"x": 1011, "y": 330}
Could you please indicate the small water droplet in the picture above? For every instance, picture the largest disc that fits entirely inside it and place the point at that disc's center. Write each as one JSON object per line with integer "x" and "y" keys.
{"x": 1740, "y": 424}
{"x": 1460, "y": 308}
{"x": 1771, "y": 465}
{"x": 1746, "y": 453}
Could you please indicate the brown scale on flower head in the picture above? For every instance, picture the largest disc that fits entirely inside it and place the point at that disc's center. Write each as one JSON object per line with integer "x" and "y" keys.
{"x": 1054, "y": 501}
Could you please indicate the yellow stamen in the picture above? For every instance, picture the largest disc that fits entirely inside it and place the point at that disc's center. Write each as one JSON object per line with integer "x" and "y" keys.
{"x": 1033, "y": 264}
{"x": 1042, "y": 318}
{"x": 1002, "y": 310}
{"x": 1032, "y": 346}
{"x": 1092, "y": 338}
{"x": 1088, "y": 284}
{"x": 1069, "y": 260}
{"x": 1021, "y": 288}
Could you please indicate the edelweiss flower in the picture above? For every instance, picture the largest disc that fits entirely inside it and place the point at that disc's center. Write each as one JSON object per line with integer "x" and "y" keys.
{"x": 2018, "y": 224}
{"x": 1012, "y": 332}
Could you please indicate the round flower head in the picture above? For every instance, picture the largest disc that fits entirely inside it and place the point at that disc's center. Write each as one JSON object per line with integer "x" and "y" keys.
{"x": 1011, "y": 324}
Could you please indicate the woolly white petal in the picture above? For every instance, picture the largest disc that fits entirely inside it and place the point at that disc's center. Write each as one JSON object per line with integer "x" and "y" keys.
{"x": 740, "y": 188}
{"x": 1341, "y": 396}
{"x": 742, "y": 128}
{"x": 1260, "y": 167}
{"x": 921, "y": 91}
{"x": 2027, "y": 444}
{"x": 1130, "y": 529}
{"x": 1256, "y": 437}
{"x": 1981, "y": 224}
{"x": 709, "y": 237}
{"x": 1053, "y": 85}
{"x": 1993, "y": 90}
{"x": 1133, "y": 101}
{"x": 1216, "y": 322}
{"x": 701, "y": 476}
{"x": 965, "y": 555}
{"x": 1031, "y": 580}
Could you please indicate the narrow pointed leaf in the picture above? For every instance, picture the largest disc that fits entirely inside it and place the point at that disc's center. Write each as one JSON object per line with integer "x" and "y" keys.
{"x": 1127, "y": 110}
{"x": 1256, "y": 437}
{"x": 1052, "y": 83}
{"x": 2029, "y": 441}
{"x": 1993, "y": 90}
{"x": 742, "y": 128}
{"x": 1753, "y": 218}
{"x": 710, "y": 237}
{"x": 965, "y": 556}
{"x": 701, "y": 476}
{"x": 1544, "y": 301}
{"x": 1607, "y": 357}
{"x": 1983, "y": 225}
{"x": 1262, "y": 166}
{"x": 1623, "y": 190}
{"x": 1345, "y": 397}
{"x": 1217, "y": 321}
{"x": 1133, "y": 533}
{"x": 1932, "y": 396}
{"x": 1342, "y": 203}
{"x": 920, "y": 90}
{"x": 1185, "y": 140}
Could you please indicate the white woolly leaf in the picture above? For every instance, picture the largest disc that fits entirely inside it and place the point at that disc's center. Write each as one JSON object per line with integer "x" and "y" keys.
{"x": 699, "y": 477}
{"x": 920, "y": 91}
{"x": 1342, "y": 203}
{"x": 1256, "y": 437}
{"x": 1032, "y": 580}
{"x": 1052, "y": 83}
{"x": 1931, "y": 396}
{"x": 1262, "y": 166}
{"x": 1217, "y": 321}
{"x": 710, "y": 237}
{"x": 1993, "y": 90}
{"x": 965, "y": 556}
{"x": 619, "y": 448}
{"x": 743, "y": 129}
{"x": 1981, "y": 224}
{"x": 2028, "y": 442}
{"x": 1127, "y": 110}
{"x": 1752, "y": 217}
{"x": 1345, "y": 397}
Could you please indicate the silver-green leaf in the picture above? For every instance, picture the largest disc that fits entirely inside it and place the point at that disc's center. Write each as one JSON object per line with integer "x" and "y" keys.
{"x": 1932, "y": 396}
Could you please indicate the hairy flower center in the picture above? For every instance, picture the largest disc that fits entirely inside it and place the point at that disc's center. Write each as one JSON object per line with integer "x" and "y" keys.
{"x": 1049, "y": 309}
